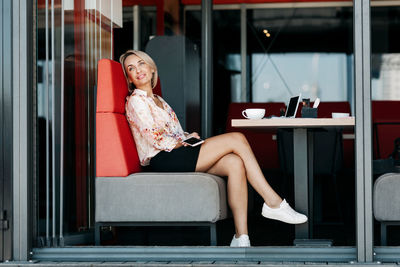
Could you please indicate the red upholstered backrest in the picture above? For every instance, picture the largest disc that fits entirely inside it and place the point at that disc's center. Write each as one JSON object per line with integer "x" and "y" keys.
{"x": 111, "y": 87}
{"x": 116, "y": 153}
{"x": 157, "y": 89}
{"x": 385, "y": 126}
{"x": 264, "y": 147}
{"x": 385, "y": 110}
{"x": 325, "y": 109}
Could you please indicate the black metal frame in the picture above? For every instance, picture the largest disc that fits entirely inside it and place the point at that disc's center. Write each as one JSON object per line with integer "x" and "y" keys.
{"x": 22, "y": 42}
{"x": 213, "y": 228}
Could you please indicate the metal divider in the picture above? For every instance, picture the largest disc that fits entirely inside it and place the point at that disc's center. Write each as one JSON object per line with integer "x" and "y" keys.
{"x": 53, "y": 127}
{"x": 22, "y": 107}
{"x": 363, "y": 142}
{"x": 207, "y": 69}
{"x": 136, "y": 26}
{"x": 61, "y": 237}
{"x": 243, "y": 52}
{"x": 48, "y": 243}
{"x": 52, "y": 198}
{"x": 2, "y": 189}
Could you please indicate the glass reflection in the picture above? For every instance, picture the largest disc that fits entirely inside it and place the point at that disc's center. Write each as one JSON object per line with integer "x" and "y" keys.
{"x": 306, "y": 50}
{"x": 309, "y": 51}
{"x": 385, "y": 124}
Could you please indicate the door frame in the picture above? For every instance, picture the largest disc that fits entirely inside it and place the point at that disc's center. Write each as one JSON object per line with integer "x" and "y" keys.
{"x": 6, "y": 120}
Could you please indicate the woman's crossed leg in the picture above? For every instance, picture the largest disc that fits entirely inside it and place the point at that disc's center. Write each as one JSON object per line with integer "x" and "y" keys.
{"x": 217, "y": 147}
{"x": 231, "y": 155}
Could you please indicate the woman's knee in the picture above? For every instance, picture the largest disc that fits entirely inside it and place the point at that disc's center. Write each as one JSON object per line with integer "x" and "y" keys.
{"x": 238, "y": 137}
{"x": 234, "y": 164}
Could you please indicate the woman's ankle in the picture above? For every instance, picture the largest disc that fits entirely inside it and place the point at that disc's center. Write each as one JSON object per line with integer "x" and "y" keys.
{"x": 238, "y": 234}
{"x": 273, "y": 204}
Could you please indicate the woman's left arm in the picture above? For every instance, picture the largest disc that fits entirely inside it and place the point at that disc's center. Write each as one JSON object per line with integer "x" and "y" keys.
{"x": 140, "y": 117}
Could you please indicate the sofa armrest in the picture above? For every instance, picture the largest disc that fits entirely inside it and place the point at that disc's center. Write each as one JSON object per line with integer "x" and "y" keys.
{"x": 386, "y": 197}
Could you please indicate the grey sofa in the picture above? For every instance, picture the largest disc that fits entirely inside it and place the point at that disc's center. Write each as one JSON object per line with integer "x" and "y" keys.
{"x": 161, "y": 199}
{"x": 124, "y": 194}
{"x": 386, "y": 202}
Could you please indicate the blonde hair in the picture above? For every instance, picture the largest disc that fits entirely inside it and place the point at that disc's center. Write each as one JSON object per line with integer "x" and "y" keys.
{"x": 147, "y": 59}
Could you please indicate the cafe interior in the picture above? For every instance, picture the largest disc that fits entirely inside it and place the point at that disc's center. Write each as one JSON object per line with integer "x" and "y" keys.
{"x": 263, "y": 52}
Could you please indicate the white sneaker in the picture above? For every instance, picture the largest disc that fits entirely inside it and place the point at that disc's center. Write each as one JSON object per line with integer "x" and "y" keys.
{"x": 284, "y": 213}
{"x": 242, "y": 241}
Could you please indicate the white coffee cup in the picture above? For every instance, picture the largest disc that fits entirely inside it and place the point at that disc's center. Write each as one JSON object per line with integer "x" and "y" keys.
{"x": 253, "y": 113}
{"x": 336, "y": 115}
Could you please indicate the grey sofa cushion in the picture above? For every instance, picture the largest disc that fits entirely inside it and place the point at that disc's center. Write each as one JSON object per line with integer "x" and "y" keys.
{"x": 386, "y": 197}
{"x": 161, "y": 197}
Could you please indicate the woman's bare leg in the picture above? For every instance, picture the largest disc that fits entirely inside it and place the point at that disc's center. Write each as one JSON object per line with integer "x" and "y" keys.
{"x": 215, "y": 148}
{"x": 232, "y": 166}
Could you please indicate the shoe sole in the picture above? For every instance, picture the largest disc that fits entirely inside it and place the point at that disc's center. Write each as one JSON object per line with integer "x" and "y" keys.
{"x": 278, "y": 219}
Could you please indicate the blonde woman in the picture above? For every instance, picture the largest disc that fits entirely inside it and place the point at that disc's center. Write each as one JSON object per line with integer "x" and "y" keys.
{"x": 159, "y": 135}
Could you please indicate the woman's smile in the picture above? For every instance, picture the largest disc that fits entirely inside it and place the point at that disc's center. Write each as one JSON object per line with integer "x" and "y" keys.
{"x": 139, "y": 73}
{"x": 140, "y": 76}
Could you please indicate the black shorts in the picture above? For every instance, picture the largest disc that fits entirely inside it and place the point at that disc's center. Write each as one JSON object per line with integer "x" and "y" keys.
{"x": 183, "y": 159}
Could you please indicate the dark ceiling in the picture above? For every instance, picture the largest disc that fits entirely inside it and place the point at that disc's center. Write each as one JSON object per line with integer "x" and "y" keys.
{"x": 299, "y": 30}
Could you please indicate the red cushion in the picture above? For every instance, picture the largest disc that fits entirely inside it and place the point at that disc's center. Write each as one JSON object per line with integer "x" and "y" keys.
{"x": 264, "y": 147}
{"x": 386, "y": 126}
{"x": 116, "y": 153}
{"x": 385, "y": 109}
{"x": 384, "y": 136}
{"x": 157, "y": 89}
{"x": 325, "y": 109}
{"x": 112, "y": 88}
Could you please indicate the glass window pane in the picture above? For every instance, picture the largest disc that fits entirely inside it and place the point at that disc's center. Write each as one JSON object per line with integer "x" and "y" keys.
{"x": 74, "y": 44}
{"x": 307, "y": 51}
{"x": 385, "y": 124}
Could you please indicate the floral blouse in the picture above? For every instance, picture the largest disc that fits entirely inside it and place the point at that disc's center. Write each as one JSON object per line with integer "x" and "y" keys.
{"x": 153, "y": 128}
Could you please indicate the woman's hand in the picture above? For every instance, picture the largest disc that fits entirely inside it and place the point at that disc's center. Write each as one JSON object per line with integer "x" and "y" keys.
{"x": 178, "y": 145}
{"x": 194, "y": 134}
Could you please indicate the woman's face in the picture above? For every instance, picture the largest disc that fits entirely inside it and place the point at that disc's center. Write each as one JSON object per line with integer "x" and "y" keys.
{"x": 138, "y": 72}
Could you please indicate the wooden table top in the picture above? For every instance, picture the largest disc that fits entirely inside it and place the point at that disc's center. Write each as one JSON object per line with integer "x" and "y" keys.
{"x": 277, "y": 122}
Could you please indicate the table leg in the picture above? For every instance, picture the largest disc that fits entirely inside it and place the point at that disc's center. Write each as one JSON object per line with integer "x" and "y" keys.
{"x": 301, "y": 179}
